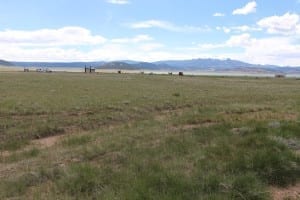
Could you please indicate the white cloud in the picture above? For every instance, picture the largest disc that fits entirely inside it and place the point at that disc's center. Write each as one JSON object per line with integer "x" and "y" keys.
{"x": 167, "y": 26}
{"x": 66, "y": 36}
{"x": 247, "y": 9}
{"x": 238, "y": 29}
{"x": 225, "y": 29}
{"x": 242, "y": 40}
{"x": 219, "y": 14}
{"x": 245, "y": 28}
{"x": 136, "y": 39}
{"x": 239, "y": 40}
{"x": 287, "y": 52}
{"x": 286, "y": 24}
{"x": 69, "y": 44}
{"x": 258, "y": 50}
{"x": 120, "y": 2}
{"x": 151, "y": 24}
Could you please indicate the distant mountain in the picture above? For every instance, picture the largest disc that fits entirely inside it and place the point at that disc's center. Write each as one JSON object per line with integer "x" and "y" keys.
{"x": 118, "y": 65}
{"x": 130, "y": 65}
{"x": 204, "y": 64}
{"x": 58, "y": 64}
{"x": 128, "y": 61}
{"x": 227, "y": 65}
{"x": 207, "y": 65}
{"x": 211, "y": 65}
{"x": 6, "y": 63}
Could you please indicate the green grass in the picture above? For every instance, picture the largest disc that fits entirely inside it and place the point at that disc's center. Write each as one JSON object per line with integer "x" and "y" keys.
{"x": 77, "y": 140}
{"x": 147, "y": 137}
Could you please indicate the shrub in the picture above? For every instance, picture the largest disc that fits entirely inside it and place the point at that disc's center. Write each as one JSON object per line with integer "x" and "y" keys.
{"x": 276, "y": 168}
{"x": 248, "y": 187}
{"x": 274, "y": 163}
{"x": 82, "y": 180}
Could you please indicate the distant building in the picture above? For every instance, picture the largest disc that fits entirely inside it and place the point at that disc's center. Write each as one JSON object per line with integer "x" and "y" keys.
{"x": 45, "y": 70}
{"x": 89, "y": 69}
{"x": 48, "y": 70}
{"x": 280, "y": 75}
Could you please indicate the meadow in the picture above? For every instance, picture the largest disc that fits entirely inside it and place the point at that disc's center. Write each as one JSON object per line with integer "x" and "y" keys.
{"x": 138, "y": 136}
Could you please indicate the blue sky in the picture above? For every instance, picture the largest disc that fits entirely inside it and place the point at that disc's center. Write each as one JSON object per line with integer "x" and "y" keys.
{"x": 262, "y": 31}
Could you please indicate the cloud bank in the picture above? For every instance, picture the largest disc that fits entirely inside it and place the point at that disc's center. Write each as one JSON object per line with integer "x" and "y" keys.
{"x": 247, "y": 9}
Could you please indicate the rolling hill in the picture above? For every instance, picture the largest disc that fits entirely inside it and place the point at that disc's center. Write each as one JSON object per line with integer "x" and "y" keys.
{"x": 210, "y": 65}
{"x": 6, "y": 63}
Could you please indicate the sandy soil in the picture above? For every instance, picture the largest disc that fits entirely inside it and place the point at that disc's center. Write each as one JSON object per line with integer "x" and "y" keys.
{"x": 291, "y": 193}
{"x": 10, "y": 69}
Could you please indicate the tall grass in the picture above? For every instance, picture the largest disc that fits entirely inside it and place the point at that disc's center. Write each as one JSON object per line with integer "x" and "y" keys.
{"x": 147, "y": 137}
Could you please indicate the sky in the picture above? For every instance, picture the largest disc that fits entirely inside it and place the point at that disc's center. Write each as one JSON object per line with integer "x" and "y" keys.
{"x": 259, "y": 32}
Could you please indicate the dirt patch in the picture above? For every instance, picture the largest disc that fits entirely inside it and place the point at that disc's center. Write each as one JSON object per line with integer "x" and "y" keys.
{"x": 291, "y": 193}
{"x": 160, "y": 117}
{"x": 5, "y": 153}
{"x": 39, "y": 143}
{"x": 241, "y": 131}
{"x": 164, "y": 114}
{"x": 259, "y": 115}
{"x": 193, "y": 126}
{"x": 47, "y": 142}
{"x": 6, "y": 170}
{"x": 291, "y": 116}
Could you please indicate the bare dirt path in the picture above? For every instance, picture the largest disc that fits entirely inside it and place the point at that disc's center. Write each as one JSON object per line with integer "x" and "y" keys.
{"x": 291, "y": 193}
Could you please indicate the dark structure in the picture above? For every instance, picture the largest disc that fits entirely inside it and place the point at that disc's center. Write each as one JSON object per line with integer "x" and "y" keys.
{"x": 26, "y": 70}
{"x": 119, "y": 72}
{"x": 89, "y": 69}
{"x": 180, "y": 73}
{"x": 280, "y": 76}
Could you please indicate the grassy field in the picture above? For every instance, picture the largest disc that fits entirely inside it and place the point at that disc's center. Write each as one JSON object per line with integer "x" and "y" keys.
{"x": 133, "y": 136}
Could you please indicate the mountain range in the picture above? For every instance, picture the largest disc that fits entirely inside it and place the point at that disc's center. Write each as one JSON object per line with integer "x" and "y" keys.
{"x": 210, "y": 65}
{"x": 6, "y": 63}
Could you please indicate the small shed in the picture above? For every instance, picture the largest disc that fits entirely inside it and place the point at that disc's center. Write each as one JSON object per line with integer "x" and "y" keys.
{"x": 180, "y": 73}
